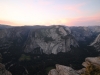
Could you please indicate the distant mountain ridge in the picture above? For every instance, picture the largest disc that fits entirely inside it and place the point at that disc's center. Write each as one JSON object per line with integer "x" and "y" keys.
{"x": 5, "y": 26}
{"x": 29, "y": 50}
{"x": 48, "y": 39}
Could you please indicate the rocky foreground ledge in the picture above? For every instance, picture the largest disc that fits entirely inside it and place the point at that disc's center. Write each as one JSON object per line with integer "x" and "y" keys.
{"x": 3, "y": 70}
{"x": 91, "y": 67}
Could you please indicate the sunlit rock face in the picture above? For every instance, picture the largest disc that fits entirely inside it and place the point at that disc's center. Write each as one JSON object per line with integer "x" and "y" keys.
{"x": 53, "y": 39}
{"x": 53, "y": 72}
{"x": 62, "y": 70}
{"x": 96, "y": 43}
{"x": 93, "y": 60}
{"x": 91, "y": 65}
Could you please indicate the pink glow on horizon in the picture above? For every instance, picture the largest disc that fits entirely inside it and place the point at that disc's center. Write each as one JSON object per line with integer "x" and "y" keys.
{"x": 50, "y": 12}
{"x": 7, "y": 22}
{"x": 85, "y": 21}
{"x": 95, "y": 19}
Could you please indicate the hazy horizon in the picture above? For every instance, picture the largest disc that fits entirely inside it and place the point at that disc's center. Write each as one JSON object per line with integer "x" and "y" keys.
{"x": 50, "y": 12}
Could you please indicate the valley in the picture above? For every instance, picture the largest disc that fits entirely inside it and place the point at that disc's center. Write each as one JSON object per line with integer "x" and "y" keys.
{"x": 35, "y": 50}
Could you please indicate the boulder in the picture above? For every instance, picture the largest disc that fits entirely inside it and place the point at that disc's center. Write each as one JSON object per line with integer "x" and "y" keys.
{"x": 3, "y": 71}
{"x": 63, "y": 70}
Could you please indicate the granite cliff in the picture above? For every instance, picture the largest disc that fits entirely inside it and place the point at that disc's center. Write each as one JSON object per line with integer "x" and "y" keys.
{"x": 47, "y": 39}
{"x": 96, "y": 43}
{"x": 54, "y": 39}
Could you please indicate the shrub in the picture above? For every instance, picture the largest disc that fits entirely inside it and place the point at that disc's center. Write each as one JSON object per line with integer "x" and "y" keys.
{"x": 24, "y": 57}
{"x": 92, "y": 69}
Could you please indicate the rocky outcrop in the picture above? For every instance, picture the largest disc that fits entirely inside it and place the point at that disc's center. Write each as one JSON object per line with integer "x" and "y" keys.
{"x": 3, "y": 71}
{"x": 91, "y": 64}
{"x": 93, "y": 60}
{"x": 53, "y": 39}
{"x": 96, "y": 43}
{"x": 62, "y": 70}
{"x": 53, "y": 72}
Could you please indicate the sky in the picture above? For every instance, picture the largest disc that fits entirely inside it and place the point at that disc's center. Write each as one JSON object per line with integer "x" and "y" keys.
{"x": 50, "y": 12}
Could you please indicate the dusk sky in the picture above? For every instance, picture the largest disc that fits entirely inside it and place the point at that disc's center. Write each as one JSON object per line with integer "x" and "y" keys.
{"x": 50, "y": 12}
